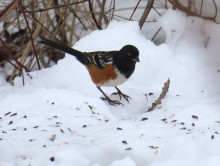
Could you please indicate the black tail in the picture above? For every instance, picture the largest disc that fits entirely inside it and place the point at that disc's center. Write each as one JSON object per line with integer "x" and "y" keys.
{"x": 64, "y": 48}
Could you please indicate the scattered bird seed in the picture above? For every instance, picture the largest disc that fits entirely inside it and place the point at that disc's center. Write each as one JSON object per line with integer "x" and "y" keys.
{"x": 53, "y": 137}
{"x": 216, "y": 132}
{"x": 150, "y": 94}
{"x": 128, "y": 148}
{"x": 153, "y": 147}
{"x": 193, "y": 124}
{"x": 164, "y": 119}
{"x": 195, "y": 117}
{"x": 212, "y": 137}
{"x": 118, "y": 128}
{"x": 52, "y": 159}
{"x": 25, "y": 116}
{"x": 10, "y": 122}
{"x": 69, "y": 129}
{"x": 182, "y": 123}
{"x": 61, "y": 130}
{"x": 84, "y": 126}
{"x": 124, "y": 142}
{"x": 14, "y": 114}
{"x": 35, "y": 127}
{"x": 173, "y": 121}
{"x": 7, "y": 113}
{"x": 31, "y": 140}
{"x": 143, "y": 119}
{"x": 52, "y": 103}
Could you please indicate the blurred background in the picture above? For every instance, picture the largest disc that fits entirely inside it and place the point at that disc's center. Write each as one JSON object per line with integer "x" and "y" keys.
{"x": 24, "y": 22}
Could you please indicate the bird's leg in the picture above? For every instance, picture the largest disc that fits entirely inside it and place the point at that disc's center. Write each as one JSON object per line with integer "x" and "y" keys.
{"x": 126, "y": 97}
{"x": 106, "y": 98}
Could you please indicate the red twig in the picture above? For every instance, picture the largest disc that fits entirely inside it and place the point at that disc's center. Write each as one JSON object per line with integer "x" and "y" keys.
{"x": 134, "y": 10}
{"x": 30, "y": 33}
{"x": 6, "y": 58}
{"x": 8, "y": 54}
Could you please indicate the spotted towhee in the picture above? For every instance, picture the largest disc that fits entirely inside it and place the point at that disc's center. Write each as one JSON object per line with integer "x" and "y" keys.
{"x": 108, "y": 69}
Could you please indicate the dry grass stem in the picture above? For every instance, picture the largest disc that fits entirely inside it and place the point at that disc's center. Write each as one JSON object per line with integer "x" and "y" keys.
{"x": 162, "y": 95}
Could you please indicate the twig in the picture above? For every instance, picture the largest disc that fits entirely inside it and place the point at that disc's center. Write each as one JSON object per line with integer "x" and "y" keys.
{"x": 93, "y": 15}
{"x": 201, "y": 8}
{"x": 54, "y": 7}
{"x": 134, "y": 10}
{"x": 78, "y": 18}
{"x": 174, "y": 4}
{"x": 162, "y": 95}
{"x": 8, "y": 55}
{"x": 113, "y": 10}
{"x": 177, "y": 5}
{"x": 189, "y": 6}
{"x": 146, "y": 12}
{"x": 30, "y": 33}
{"x": 102, "y": 14}
{"x": 156, "y": 11}
{"x": 216, "y": 9}
{"x": 156, "y": 34}
{"x": 8, "y": 9}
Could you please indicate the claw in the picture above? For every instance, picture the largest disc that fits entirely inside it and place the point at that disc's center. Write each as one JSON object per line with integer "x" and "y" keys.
{"x": 106, "y": 98}
{"x": 111, "y": 102}
{"x": 120, "y": 94}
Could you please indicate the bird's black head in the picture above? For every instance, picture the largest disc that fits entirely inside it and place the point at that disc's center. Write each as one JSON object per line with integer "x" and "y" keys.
{"x": 130, "y": 52}
{"x": 126, "y": 60}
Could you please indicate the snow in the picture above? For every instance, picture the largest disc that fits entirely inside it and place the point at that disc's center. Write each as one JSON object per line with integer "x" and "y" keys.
{"x": 57, "y": 118}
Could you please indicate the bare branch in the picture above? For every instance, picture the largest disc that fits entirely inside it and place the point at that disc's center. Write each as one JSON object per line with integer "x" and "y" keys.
{"x": 146, "y": 12}
{"x": 162, "y": 95}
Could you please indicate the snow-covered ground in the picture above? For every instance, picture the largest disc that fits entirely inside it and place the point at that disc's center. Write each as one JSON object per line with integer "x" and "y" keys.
{"x": 57, "y": 118}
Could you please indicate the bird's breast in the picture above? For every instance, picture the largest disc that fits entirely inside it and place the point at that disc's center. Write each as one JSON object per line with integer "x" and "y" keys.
{"x": 107, "y": 76}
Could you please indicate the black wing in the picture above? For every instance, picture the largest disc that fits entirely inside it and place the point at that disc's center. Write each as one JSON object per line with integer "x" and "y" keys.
{"x": 100, "y": 58}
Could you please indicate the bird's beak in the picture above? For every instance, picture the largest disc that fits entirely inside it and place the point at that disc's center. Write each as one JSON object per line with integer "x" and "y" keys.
{"x": 136, "y": 59}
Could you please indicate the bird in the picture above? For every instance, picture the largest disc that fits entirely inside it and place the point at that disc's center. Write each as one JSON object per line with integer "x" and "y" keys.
{"x": 106, "y": 68}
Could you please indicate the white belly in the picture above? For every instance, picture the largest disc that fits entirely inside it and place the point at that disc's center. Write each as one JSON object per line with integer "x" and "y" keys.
{"x": 114, "y": 82}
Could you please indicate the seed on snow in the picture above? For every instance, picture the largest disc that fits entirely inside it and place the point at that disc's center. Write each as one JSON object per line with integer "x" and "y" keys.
{"x": 195, "y": 117}
{"x": 52, "y": 159}
{"x": 10, "y": 122}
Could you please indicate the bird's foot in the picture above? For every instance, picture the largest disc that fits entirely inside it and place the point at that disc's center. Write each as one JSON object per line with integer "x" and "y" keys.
{"x": 111, "y": 102}
{"x": 120, "y": 94}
